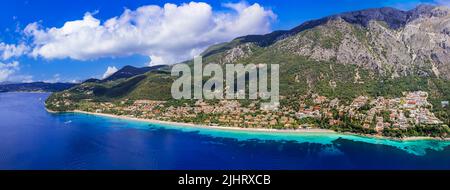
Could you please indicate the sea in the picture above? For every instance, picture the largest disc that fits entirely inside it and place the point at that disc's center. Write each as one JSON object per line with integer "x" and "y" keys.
{"x": 33, "y": 139}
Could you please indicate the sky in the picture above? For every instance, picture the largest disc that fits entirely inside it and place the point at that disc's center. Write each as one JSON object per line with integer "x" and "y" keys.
{"x": 70, "y": 41}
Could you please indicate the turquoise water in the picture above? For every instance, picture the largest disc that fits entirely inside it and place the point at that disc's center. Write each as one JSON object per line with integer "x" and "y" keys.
{"x": 416, "y": 147}
{"x": 34, "y": 139}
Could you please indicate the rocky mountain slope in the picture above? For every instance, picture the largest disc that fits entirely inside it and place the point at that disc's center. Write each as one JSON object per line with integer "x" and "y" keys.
{"x": 375, "y": 52}
{"x": 387, "y": 41}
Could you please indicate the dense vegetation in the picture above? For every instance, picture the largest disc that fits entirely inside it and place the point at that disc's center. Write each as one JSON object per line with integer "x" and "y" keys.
{"x": 300, "y": 76}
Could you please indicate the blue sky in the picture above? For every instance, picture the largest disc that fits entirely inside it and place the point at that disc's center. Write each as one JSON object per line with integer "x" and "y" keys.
{"x": 38, "y": 44}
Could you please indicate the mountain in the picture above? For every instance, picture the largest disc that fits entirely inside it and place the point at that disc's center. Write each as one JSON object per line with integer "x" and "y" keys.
{"x": 374, "y": 52}
{"x": 35, "y": 87}
{"x": 388, "y": 41}
{"x": 416, "y": 44}
{"x": 92, "y": 80}
{"x": 393, "y": 17}
{"x": 130, "y": 71}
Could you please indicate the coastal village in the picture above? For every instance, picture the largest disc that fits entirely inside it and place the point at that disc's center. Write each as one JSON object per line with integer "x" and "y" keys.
{"x": 377, "y": 114}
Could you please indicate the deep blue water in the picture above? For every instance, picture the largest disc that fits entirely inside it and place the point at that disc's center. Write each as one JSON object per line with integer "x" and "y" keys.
{"x": 31, "y": 138}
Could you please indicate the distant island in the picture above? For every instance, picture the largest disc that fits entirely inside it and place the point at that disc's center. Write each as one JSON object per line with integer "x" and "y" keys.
{"x": 35, "y": 87}
{"x": 379, "y": 72}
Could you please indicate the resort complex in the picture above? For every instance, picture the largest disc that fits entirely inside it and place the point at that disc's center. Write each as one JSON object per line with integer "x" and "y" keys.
{"x": 363, "y": 115}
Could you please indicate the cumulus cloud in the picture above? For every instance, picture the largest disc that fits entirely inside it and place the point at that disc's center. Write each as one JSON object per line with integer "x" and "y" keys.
{"x": 8, "y": 51}
{"x": 166, "y": 34}
{"x": 109, "y": 71}
{"x": 7, "y": 70}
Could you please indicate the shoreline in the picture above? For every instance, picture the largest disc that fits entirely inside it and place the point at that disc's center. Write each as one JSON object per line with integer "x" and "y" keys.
{"x": 152, "y": 121}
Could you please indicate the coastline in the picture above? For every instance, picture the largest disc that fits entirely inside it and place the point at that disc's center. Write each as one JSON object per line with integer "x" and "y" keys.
{"x": 152, "y": 121}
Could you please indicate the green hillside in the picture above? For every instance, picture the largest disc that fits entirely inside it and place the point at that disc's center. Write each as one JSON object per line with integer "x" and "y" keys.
{"x": 300, "y": 75}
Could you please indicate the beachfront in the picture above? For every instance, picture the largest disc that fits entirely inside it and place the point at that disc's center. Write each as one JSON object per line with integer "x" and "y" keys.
{"x": 282, "y": 131}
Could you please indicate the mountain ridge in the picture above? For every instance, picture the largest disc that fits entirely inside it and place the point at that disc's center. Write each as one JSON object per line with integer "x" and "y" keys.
{"x": 327, "y": 56}
{"x": 381, "y": 14}
{"x": 129, "y": 71}
{"x": 372, "y": 38}
{"x": 35, "y": 86}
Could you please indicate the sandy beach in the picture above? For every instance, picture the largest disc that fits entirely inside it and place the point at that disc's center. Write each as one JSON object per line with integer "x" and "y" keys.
{"x": 151, "y": 121}
{"x": 207, "y": 126}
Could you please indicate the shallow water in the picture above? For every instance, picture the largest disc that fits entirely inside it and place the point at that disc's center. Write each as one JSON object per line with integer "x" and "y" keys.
{"x": 34, "y": 139}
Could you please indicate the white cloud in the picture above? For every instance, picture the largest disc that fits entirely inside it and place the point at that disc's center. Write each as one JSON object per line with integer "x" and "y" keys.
{"x": 109, "y": 71}
{"x": 75, "y": 81}
{"x": 167, "y": 34}
{"x": 7, "y": 70}
{"x": 8, "y": 51}
{"x": 56, "y": 78}
{"x": 21, "y": 78}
